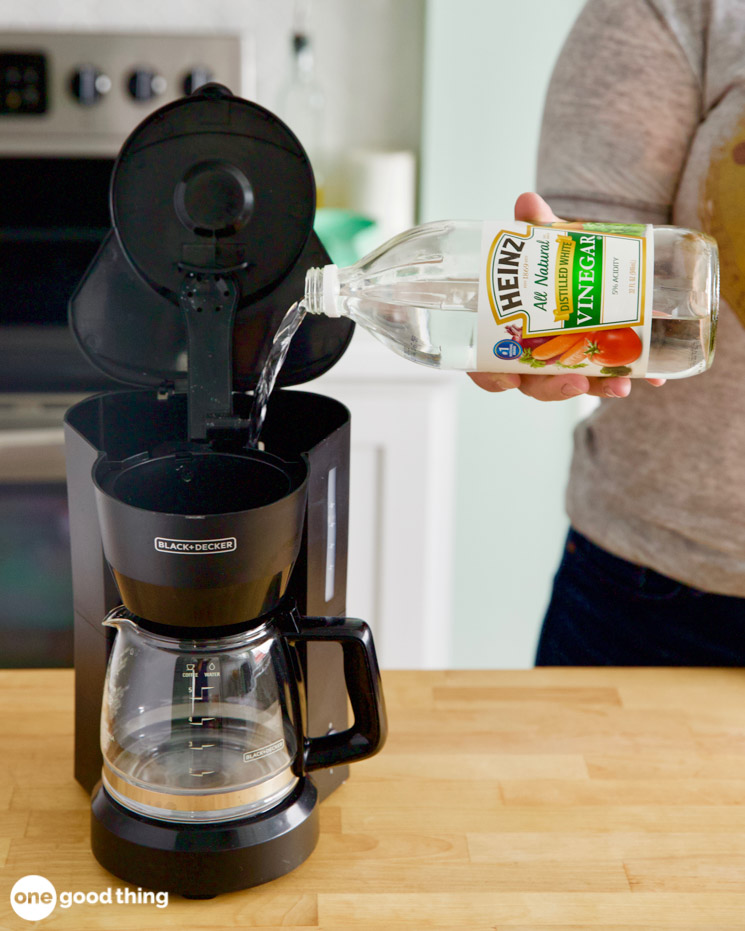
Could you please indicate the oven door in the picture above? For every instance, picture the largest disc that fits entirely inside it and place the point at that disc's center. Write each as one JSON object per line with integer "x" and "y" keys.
{"x": 36, "y": 614}
{"x": 53, "y": 217}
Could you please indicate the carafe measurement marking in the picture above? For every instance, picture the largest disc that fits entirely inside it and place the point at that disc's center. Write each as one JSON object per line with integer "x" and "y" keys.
{"x": 203, "y": 696}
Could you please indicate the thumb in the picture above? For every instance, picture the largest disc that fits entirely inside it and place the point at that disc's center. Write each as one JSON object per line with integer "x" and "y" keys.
{"x": 532, "y": 208}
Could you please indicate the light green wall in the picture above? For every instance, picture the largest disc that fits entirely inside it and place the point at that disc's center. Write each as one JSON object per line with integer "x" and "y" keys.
{"x": 487, "y": 66}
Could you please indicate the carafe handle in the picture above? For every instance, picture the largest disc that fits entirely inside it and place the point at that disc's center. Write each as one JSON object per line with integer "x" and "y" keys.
{"x": 368, "y": 731}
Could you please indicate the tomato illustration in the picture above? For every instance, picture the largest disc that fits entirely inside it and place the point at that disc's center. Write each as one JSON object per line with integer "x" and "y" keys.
{"x": 615, "y": 347}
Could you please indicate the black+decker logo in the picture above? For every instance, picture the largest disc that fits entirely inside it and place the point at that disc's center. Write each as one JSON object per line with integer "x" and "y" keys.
{"x": 196, "y": 547}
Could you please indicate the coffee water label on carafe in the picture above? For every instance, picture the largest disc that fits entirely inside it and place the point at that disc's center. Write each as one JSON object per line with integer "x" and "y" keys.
{"x": 565, "y": 297}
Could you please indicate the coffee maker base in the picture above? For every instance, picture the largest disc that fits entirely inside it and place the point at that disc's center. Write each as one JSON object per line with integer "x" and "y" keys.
{"x": 203, "y": 860}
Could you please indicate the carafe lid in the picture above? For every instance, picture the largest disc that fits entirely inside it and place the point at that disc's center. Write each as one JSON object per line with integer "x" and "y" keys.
{"x": 213, "y": 191}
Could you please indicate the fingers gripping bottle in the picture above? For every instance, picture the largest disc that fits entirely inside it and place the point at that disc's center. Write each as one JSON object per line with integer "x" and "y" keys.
{"x": 598, "y": 298}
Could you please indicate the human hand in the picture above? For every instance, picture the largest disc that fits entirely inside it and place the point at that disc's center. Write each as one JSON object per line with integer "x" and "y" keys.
{"x": 532, "y": 208}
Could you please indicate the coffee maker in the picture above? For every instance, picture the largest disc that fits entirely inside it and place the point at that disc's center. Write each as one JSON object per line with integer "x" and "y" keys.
{"x": 209, "y": 579}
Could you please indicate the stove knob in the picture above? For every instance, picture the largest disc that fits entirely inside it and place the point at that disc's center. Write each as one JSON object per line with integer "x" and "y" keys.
{"x": 88, "y": 85}
{"x": 144, "y": 84}
{"x": 195, "y": 78}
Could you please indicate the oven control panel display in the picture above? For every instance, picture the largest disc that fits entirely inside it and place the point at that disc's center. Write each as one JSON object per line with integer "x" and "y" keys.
{"x": 71, "y": 94}
{"x": 23, "y": 83}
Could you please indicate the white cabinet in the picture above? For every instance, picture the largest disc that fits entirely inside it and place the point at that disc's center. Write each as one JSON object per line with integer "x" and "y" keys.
{"x": 401, "y": 500}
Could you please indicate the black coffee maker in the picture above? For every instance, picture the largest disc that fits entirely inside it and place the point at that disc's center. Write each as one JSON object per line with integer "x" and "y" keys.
{"x": 210, "y": 578}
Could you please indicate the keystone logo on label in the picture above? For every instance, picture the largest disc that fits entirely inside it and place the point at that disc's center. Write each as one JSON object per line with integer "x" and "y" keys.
{"x": 196, "y": 547}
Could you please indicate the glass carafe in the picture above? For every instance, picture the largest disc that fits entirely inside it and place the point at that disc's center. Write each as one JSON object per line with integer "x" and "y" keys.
{"x": 205, "y": 730}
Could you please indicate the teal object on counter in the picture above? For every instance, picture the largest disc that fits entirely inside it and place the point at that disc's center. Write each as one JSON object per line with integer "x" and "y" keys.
{"x": 339, "y": 230}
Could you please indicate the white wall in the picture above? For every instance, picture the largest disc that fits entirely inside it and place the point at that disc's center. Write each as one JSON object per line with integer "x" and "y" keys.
{"x": 487, "y": 65}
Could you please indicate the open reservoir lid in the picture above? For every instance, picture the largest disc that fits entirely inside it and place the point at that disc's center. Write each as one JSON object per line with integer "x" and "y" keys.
{"x": 211, "y": 195}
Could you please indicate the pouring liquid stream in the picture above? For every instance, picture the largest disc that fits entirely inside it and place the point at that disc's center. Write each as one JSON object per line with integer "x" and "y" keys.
{"x": 274, "y": 362}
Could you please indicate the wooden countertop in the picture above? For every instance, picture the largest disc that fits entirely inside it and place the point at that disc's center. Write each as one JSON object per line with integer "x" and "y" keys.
{"x": 547, "y": 798}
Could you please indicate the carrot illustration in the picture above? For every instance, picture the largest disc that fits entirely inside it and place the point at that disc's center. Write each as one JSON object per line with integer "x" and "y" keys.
{"x": 576, "y": 352}
{"x": 555, "y": 347}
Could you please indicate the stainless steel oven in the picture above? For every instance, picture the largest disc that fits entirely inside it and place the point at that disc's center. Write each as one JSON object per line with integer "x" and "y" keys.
{"x": 67, "y": 103}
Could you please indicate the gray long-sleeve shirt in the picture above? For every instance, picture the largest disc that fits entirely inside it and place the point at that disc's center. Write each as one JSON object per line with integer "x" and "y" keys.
{"x": 645, "y": 121}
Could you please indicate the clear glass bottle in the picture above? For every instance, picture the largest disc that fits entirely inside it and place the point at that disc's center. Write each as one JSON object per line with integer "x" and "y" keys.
{"x": 419, "y": 295}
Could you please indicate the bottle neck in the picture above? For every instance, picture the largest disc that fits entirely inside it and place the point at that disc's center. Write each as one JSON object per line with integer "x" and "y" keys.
{"x": 322, "y": 290}
{"x": 313, "y": 299}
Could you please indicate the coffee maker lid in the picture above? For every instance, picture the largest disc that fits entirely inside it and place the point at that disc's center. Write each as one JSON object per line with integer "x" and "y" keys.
{"x": 215, "y": 187}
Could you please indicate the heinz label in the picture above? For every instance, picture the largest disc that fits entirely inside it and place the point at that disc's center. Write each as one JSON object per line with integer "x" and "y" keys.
{"x": 569, "y": 296}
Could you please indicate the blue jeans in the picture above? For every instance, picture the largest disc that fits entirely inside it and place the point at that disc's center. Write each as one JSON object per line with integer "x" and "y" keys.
{"x": 605, "y": 611}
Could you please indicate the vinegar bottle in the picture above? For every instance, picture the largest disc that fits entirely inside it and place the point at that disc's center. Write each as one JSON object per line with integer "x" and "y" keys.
{"x": 601, "y": 298}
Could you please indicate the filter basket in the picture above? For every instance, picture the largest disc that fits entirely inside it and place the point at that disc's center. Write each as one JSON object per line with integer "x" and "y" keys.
{"x": 198, "y": 538}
